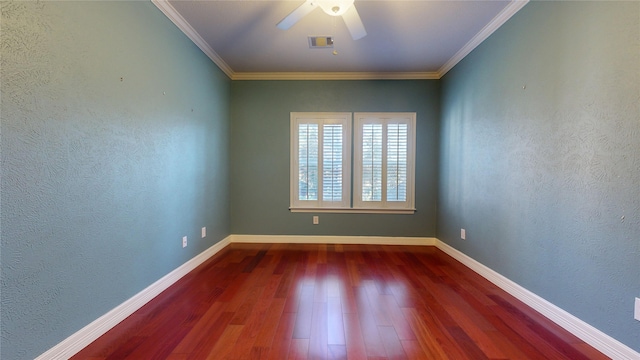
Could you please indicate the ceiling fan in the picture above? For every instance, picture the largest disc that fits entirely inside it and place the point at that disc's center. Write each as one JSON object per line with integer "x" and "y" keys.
{"x": 344, "y": 8}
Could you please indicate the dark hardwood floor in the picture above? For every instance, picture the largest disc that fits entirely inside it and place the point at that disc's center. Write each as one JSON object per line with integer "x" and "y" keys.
{"x": 256, "y": 301}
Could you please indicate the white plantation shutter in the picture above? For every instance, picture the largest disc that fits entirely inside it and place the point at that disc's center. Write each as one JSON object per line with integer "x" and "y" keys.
{"x": 397, "y": 162}
{"x": 371, "y": 162}
{"x": 332, "y": 162}
{"x": 308, "y": 161}
{"x": 384, "y": 149}
{"x": 320, "y": 164}
{"x": 383, "y": 155}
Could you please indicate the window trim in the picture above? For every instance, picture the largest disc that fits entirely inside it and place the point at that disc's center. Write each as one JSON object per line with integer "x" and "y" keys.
{"x": 320, "y": 118}
{"x": 350, "y": 156}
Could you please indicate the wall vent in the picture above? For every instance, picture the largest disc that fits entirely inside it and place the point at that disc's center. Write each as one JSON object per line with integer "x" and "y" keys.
{"x": 320, "y": 42}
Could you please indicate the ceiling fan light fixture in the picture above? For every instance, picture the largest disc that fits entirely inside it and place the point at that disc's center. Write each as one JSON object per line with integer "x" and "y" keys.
{"x": 335, "y": 7}
{"x": 344, "y": 8}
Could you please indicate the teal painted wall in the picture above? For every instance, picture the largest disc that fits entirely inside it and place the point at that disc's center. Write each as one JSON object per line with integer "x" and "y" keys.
{"x": 101, "y": 177}
{"x": 260, "y": 154}
{"x": 546, "y": 179}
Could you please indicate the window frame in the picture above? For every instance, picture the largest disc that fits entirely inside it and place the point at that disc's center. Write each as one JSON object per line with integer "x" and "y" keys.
{"x": 384, "y": 118}
{"x": 320, "y": 118}
{"x": 351, "y": 154}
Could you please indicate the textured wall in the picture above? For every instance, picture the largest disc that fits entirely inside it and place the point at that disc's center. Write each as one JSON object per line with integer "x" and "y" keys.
{"x": 114, "y": 145}
{"x": 260, "y": 154}
{"x": 546, "y": 179}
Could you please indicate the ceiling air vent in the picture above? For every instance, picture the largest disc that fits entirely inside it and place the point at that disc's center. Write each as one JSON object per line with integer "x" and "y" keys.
{"x": 320, "y": 42}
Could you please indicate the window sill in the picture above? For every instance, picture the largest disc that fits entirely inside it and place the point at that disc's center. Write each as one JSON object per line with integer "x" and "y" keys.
{"x": 353, "y": 210}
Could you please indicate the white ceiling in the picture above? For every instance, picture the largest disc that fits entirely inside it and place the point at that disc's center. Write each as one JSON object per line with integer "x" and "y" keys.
{"x": 405, "y": 39}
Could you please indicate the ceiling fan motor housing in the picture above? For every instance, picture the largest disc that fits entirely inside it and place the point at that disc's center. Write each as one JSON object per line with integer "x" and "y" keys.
{"x": 344, "y": 8}
{"x": 335, "y": 7}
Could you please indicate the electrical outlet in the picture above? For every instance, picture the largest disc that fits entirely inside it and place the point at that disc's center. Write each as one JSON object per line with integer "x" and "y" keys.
{"x": 316, "y": 220}
{"x": 184, "y": 241}
{"x": 204, "y": 232}
{"x": 636, "y": 312}
{"x": 463, "y": 234}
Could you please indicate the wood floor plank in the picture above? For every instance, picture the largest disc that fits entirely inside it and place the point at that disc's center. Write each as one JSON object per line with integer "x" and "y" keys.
{"x": 322, "y": 253}
{"x": 299, "y": 349}
{"x": 479, "y": 336}
{"x": 429, "y": 335}
{"x": 168, "y": 333}
{"x": 318, "y": 301}
{"x": 546, "y": 335}
{"x": 507, "y": 347}
{"x": 225, "y": 347}
{"x": 403, "y": 291}
{"x": 466, "y": 343}
{"x": 312, "y": 266}
{"x": 400, "y": 324}
{"x": 391, "y": 343}
{"x": 321, "y": 289}
{"x": 113, "y": 340}
{"x": 268, "y": 328}
{"x": 318, "y": 337}
{"x": 126, "y": 349}
{"x": 348, "y": 299}
{"x": 368, "y": 325}
{"x": 337, "y": 352}
{"x": 203, "y": 329}
{"x": 243, "y": 312}
{"x": 354, "y": 341}
{"x": 376, "y": 303}
{"x": 178, "y": 357}
{"x": 282, "y": 337}
{"x": 253, "y": 326}
{"x": 413, "y": 350}
{"x": 469, "y": 321}
{"x": 160, "y": 349}
{"x": 286, "y": 280}
{"x": 297, "y": 284}
{"x": 255, "y": 260}
{"x": 209, "y": 339}
{"x": 352, "y": 268}
{"x": 302, "y": 329}
{"x": 335, "y": 323}
{"x": 257, "y": 353}
{"x": 237, "y": 283}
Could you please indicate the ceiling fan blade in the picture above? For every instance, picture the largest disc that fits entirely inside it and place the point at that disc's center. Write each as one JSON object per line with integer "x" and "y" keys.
{"x": 354, "y": 24}
{"x": 297, "y": 14}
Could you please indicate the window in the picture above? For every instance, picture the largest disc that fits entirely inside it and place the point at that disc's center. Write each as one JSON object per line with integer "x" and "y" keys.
{"x": 384, "y": 151}
{"x": 321, "y": 161}
{"x": 383, "y": 156}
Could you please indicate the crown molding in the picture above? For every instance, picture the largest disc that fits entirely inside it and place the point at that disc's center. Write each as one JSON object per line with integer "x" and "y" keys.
{"x": 513, "y": 7}
{"x": 192, "y": 34}
{"x": 506, "y": 13}
{"x": 334, "y": 76}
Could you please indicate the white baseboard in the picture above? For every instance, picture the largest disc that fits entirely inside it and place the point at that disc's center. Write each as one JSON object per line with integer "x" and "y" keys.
{"x": 592, "y": 336}
{"x": 346, "y": 240}
{"x": 88, "y": 334}
{"x": 587, "y": 333}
